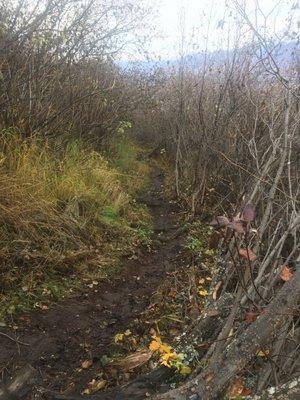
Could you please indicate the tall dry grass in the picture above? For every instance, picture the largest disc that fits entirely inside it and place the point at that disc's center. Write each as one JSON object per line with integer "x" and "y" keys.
{"x": 64, "y": 212}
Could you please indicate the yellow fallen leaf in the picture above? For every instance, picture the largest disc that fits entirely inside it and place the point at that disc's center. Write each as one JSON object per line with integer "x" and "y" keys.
{"x": 164, "y": 348}
{"x": 118, "y": 337}
{"x": 168, "y": 356}
{"x": 185, "y": 370}
{"x": 203, "y": 292}
{"x": 262, "y": 353}
{"x": 201, "y": 281}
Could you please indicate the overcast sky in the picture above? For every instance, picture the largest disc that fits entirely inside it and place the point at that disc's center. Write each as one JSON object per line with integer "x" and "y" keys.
{"x": 198, "y": 13}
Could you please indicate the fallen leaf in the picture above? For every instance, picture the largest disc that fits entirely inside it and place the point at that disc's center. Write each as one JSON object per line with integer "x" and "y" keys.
{"x": 172, "y": 293}
{"x": 236, "y": 388}
{"x": 247, "y": 254}
{"x": 203, "y": 292}
{"x": 249, "y": 213}
{"x": 94, "y": 386}
{"x": 212, "y": 313}
{"x": 87, "y": 364}
{"x": 216, "y": 289}
{"x": 132, "y": 361}
{"x": 251, "y": 316}
{"x": 185, "y": 370}
{"x": 165, "y": 348}
{"x": 263, "y": 353}
{"x": 236, "y": 226}
{"x": 201, "y": 281}
{"x": 86, "y": 391}
{"x": 285, "y": 273}
{"x": 154, "y": 345}
{"x": 118, "y": 337}
{"x": 167, "y": 357}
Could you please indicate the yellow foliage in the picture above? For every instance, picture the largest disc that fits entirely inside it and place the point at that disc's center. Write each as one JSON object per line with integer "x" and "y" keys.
{"x": 203, "y": 292}
{"x": 263, "y": 353}
{"x": 154, "y": 345}
{"x": 168, "y": 357}
{"x": 164, "y": 348}
{"x": 185, "y": 370}
{"x": 118, "y": 337}
{"x": 61, "y": 210}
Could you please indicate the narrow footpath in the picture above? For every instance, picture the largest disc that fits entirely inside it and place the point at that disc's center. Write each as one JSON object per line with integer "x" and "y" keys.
{"x": 58, "y": 340}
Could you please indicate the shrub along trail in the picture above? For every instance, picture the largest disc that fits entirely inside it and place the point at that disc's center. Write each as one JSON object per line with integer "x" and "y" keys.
{"x": 68, "y": 342}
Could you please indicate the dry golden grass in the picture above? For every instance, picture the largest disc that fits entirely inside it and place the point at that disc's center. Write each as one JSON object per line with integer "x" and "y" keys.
{"x": 62, "y": 212}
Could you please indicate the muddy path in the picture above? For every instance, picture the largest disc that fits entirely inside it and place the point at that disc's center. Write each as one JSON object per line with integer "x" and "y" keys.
{"x": 59, "y": 339}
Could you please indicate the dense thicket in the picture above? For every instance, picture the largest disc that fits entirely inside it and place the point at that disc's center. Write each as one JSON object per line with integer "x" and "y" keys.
{"x": 229, "y": 127}
{"x": 228, "y": 131}
{"x": 64, "y": 206}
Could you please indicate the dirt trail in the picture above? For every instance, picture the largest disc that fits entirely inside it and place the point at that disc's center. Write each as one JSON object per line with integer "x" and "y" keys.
{"x": 82, "y": 327}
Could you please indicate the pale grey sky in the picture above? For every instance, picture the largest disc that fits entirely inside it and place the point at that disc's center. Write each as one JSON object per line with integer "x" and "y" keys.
{"x": 198, "y": 13}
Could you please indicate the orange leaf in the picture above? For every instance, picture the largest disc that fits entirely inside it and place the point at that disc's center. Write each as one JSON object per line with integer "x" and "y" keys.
{"x": 248, "y": 254}
{"x": 154, "y": 345}
{"x": 285, "y": 273}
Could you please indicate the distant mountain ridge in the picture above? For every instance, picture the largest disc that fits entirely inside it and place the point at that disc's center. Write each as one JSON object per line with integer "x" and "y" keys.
{"x": 283, "y": 55}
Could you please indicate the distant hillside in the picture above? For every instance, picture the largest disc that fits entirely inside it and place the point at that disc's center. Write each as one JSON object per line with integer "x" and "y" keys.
{"x": 283, "y": 55}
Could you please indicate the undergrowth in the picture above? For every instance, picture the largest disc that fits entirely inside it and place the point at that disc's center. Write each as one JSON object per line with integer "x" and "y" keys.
{"x": 65, "y": 216}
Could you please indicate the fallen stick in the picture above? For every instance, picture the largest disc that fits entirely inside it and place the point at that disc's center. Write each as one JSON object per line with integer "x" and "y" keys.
{"x": 13, "y": 339}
